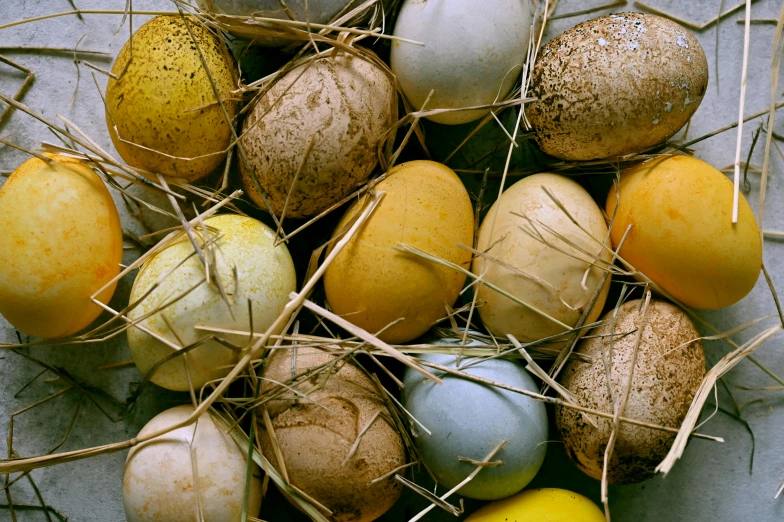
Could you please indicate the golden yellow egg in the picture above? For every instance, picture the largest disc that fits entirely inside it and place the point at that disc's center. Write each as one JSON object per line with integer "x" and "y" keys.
{"x": 162, "y": 112}
{"x": 372, "y": 284}
{"x": 60, "y": 242}
{"x": 682, "y": 236}
{"x": 540, "y": 505}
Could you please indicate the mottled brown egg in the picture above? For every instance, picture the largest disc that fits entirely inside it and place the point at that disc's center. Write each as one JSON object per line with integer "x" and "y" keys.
{"x": 161, "y": 111}
{"x": 345, "y": 105}
{"x": 615, "y": 85}
{"x": 316, "y": 435}
{"x": 668, "y": 370}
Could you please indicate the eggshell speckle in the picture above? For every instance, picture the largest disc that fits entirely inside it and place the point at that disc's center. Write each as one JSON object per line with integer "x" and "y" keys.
{"x": 315, "y": 442}
{"x": 372, "y": 285}
{"x": 264, "y": 275}
{"x": 60, "y": 242}
{"x": 667, "y": 373}
{"x": 615, "y": 85}
{"x": 540, "y": 505}
{"x": 345, "y": 104}
{"x": 159, "y": 483}
{"x": 546, "y": 275}
{"x": 163, "y": 102}
{"x": 473, "y": 54}
{"x": 682, "y": 236}
{"x": 469, "y": 419}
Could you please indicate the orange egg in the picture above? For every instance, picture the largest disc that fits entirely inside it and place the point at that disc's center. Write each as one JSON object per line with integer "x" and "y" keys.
{"x": 682, "y": 236}
{"x": 60, "y": 242}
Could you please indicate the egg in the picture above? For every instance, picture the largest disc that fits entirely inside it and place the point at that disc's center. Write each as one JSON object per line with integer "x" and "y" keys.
{"x": 615, "y": 85}
{"x": 526, "y": 259}
{"x": 163, "y": 477}
{"x": 313, "y": 11}
{"x": 161, "y": 111}
{"x": 315, "y": 436}
{"x": 468, "y": 419}
{"x": 682, "y": 236}
{"x": 540, "y": 505}
{"x": 472, "y": 54}
{"x": 171, "y": 286}
{"x": 60, "y": 243}
{"x": 372, "y": 284}
{"x": 344, "y": 105}
{"x": 669, "y": 368}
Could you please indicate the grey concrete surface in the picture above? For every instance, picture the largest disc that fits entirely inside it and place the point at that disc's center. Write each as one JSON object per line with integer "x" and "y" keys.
{"x": 712, "y": 482}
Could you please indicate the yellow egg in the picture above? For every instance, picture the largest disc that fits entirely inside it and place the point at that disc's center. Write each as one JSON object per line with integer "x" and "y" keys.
{"x": 371, "y": 284}
{"x": 164, "y": 104}
{"x": 540, "y": 505}
{"x": 60, "y": 242}
{"x": 682, "y": 235}
{"x": 535, "y": 252}
{"x": 173, "y": 298}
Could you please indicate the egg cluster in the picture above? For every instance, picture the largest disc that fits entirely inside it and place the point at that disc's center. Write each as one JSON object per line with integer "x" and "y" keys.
{"x": 532, "y": 272}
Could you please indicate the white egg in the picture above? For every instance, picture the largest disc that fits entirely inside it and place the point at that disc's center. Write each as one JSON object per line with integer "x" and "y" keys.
{"x": 249, "y": 268}
{"x": 473, "y": 53}
{"x": 159, "y": 485}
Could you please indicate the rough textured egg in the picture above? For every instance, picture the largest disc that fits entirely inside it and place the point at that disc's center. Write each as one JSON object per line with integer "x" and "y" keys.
{"x": 264, "y": 276}
{"x": 315, "y": 436}
{"x": 60, "y": 242}
{"x": 527, "y": 259}
{"x": 615, "y": 85}
{"x": 344, "y": 105}
{"x": 540, "y": 505}
{"x": 160, "y": 485}
{"x": 463, "y": 70}
{"x": 668, "y": 370}
{"x": 372, "y": 285}
{"x": 468, "y": 419}
{"x": 162, "y": 113}
{"x": 682, "y": 236}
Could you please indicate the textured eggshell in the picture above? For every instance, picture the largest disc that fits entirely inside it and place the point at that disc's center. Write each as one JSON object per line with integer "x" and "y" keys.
{"x": 315, "y": 442}
{"x": 264, "y": 275}
{"x": 468, "y": 419}
{"x": 159, "y": 483}
{"x": 60, "y": 242}
{"x": 667, "y": 373}
{"x": 473, "y": 53}
{"x": 540, "y": 505}
{"x": 682, "y": 236}
{"x": 557, "y": 268}
{"x": 345, "y": 104}
{"x": 372, "y": 285}
{"x": 615, "y": 85}
{"x": 164, "y": 104}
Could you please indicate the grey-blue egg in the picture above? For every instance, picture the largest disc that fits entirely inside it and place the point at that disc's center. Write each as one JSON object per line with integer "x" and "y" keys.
{"x": 469, "y": 419}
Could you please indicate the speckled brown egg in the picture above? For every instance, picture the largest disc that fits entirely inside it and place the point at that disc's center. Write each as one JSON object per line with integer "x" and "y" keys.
{"x": 668, "y": 370}
{"x": 345, "y": 104}
{"x": 615, "y": 85}
{"x": 162, "y": 112}
{"x": 315, "y": 435}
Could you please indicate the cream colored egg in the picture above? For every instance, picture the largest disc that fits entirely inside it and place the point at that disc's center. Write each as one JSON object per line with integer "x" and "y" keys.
{"x": 250, "y": 269}
{"x": 669, "y": 368}
{"x": 344, "y": 105}
{"x": 682, "y": 236}
{"x": 60, "y": 243}
{"x": 161, "y": 109}
{"x": 372, "y": 284}
{"x": 164, "y": 476}
{"x": 316, "y": 436}
{"x": 538, "y": 254}
{"x": 472, "y": 55}
{"x": 615, "y": 85}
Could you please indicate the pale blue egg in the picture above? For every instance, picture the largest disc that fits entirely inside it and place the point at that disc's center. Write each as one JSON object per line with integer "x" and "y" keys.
{"x": 469, "y": 419}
